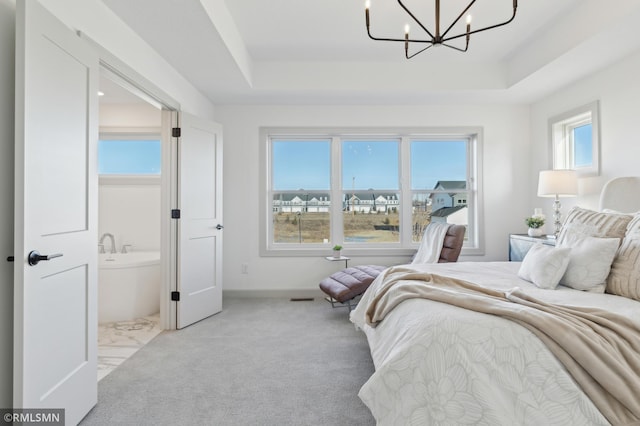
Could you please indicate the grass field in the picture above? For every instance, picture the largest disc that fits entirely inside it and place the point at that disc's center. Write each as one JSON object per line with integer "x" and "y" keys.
{"x": 315, "y": 227}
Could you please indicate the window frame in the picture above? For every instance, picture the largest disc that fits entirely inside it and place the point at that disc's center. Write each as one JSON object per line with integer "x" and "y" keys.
{"x": 561, "y": 138}
{"x": 405, "y": 247}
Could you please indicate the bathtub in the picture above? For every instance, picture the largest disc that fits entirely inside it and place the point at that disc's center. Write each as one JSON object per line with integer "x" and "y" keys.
{"x": 128, "y": 285}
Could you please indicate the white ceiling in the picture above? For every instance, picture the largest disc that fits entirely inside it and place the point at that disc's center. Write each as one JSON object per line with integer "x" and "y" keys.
{"x": 317, "y": 52}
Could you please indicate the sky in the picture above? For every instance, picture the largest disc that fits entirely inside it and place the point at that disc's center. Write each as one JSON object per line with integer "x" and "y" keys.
{"x": 370, "y": 164}
{"x": 583, "y": 143}
{"x": 129, "y": 157}
{"x": 366, "y": 164}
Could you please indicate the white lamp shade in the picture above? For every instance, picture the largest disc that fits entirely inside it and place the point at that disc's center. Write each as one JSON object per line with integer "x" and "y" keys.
{"x": 563, "y": 183}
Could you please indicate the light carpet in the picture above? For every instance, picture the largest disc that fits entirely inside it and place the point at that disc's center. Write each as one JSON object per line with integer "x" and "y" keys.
{"x": 258, "y": 362}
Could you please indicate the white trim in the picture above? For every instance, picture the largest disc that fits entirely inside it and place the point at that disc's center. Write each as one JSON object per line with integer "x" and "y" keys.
{"x": 280, "y": 294}
{"x": 118, "y": 71}
{"x": 156, "y": 96}
{"x": 129, "y": 133}
{"x": 168, "y": 226}
{"x": 130, "y": 179}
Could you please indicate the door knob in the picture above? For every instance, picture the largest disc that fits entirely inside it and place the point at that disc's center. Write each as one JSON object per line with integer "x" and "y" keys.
{"x": 35, "y": 257}
{"x": 219, "y": 227}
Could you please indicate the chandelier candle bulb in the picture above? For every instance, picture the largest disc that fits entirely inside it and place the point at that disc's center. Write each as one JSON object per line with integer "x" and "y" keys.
{"x": 367, "y": 5}
{"x": 468, "y": 28}
{"x": 406, "y": 40}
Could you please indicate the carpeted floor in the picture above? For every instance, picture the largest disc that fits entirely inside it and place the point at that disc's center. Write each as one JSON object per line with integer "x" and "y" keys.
{"x": 259, "y": 362}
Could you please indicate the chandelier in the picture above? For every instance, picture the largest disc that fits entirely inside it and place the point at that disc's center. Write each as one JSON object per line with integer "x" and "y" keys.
{"x": 437, "y": 39}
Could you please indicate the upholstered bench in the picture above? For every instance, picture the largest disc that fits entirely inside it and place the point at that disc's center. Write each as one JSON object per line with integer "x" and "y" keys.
{"x": 344, "y": 286}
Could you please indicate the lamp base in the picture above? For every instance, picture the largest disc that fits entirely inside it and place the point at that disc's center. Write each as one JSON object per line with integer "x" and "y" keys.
{"x": 557, "y": 224}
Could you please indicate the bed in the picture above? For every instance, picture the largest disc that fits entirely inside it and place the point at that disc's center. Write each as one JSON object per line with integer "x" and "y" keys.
{"x": 502, "y": 343}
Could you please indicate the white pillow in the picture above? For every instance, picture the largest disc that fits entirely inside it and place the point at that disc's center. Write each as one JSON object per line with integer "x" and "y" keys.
{"x": 593, "y": 224}
{"x": 590, "y": 261}
{"x": 544, "y": 265}
{"x": 617, "y": 212}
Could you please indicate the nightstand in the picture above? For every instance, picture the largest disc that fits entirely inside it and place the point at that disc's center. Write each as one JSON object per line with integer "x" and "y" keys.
{"x": 519, "y": 245}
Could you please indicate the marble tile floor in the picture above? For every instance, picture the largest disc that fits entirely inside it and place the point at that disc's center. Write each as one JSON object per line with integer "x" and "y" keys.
{"x": 117, "y": 341}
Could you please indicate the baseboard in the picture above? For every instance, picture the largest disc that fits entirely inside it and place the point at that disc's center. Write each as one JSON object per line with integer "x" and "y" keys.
{"x": 281, "y": 294}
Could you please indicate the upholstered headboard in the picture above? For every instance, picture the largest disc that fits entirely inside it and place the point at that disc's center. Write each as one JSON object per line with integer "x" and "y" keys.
{"x": 621, "y": 194}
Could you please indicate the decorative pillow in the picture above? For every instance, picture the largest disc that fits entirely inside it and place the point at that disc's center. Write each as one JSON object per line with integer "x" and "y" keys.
{"x": 624, "y": 279}
{"x": 544, "y": 265}
{"x": 594, "y": 224}
{"x": 589, "y": 261}
{"x": 618, "y": 212}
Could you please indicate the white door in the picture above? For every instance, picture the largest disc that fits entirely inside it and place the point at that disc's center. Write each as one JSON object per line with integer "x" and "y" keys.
{"x": 200, "y": 224}
{"x": 55, "y": 317}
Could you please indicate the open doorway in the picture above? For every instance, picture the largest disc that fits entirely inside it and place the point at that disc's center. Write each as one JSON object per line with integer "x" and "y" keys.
{"x": 129, "y": 223}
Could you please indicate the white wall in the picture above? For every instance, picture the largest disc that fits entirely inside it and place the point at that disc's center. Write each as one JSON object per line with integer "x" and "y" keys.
{"x": 618, "y": 91}
{"x": 131, "y": 212}
{"x": 7, "y": 86}
{"x": 506, "y": 172}
{"x": 130, "y": 116}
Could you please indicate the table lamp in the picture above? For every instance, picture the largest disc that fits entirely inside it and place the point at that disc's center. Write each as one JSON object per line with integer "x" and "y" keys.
{"x": 557, "y": 183}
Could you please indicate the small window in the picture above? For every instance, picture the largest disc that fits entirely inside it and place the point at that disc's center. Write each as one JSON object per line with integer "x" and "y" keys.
{"x": 129, "y": 155}
{"x": 575, "y": 140}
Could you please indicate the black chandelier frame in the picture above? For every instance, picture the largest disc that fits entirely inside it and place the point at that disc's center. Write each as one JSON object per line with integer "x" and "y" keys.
{"x": 436, "y": 39}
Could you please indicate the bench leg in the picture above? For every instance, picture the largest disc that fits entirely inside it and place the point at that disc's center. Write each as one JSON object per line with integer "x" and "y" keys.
{"x": 347, "y": 303}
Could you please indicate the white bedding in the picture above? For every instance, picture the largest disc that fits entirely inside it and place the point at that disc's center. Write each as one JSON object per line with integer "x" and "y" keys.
{"x": 440, "y": 364}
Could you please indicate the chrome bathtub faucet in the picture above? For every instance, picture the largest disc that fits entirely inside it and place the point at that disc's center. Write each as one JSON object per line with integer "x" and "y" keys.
{"x": 113, "y": 242}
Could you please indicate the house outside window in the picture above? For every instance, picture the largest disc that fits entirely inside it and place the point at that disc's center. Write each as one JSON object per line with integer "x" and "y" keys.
{"x": 370, "y": 191}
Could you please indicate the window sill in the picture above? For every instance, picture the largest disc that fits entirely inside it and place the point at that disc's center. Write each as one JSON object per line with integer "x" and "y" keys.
{"x": 356, "y": 252}
{"x": 129, "y": 179}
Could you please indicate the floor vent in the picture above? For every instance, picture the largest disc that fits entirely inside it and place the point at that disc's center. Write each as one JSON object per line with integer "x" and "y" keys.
{"x": 301, "y": 299}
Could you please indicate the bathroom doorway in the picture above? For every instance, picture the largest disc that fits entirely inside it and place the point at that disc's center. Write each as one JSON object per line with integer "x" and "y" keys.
{"x": 191, "y": 165}
{"x": 129, "y": 223}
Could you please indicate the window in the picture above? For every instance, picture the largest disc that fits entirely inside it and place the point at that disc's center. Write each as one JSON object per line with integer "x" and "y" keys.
{"x": 300, "y": 194}
{"x": 129, "y": 154}
{"x": 369, "y": 191}
{"x": 438, "y": 183}
{"x": 575, "y": 140}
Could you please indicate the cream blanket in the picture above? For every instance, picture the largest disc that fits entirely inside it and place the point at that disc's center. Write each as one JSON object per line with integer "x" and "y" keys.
{"x": 598, "y": 348}
{"x": 431, "y": 243}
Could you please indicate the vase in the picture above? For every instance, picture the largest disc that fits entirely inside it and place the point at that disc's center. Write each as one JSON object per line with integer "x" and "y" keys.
{"x": 336, "y": 254}
{"x": 535, "y": 232}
